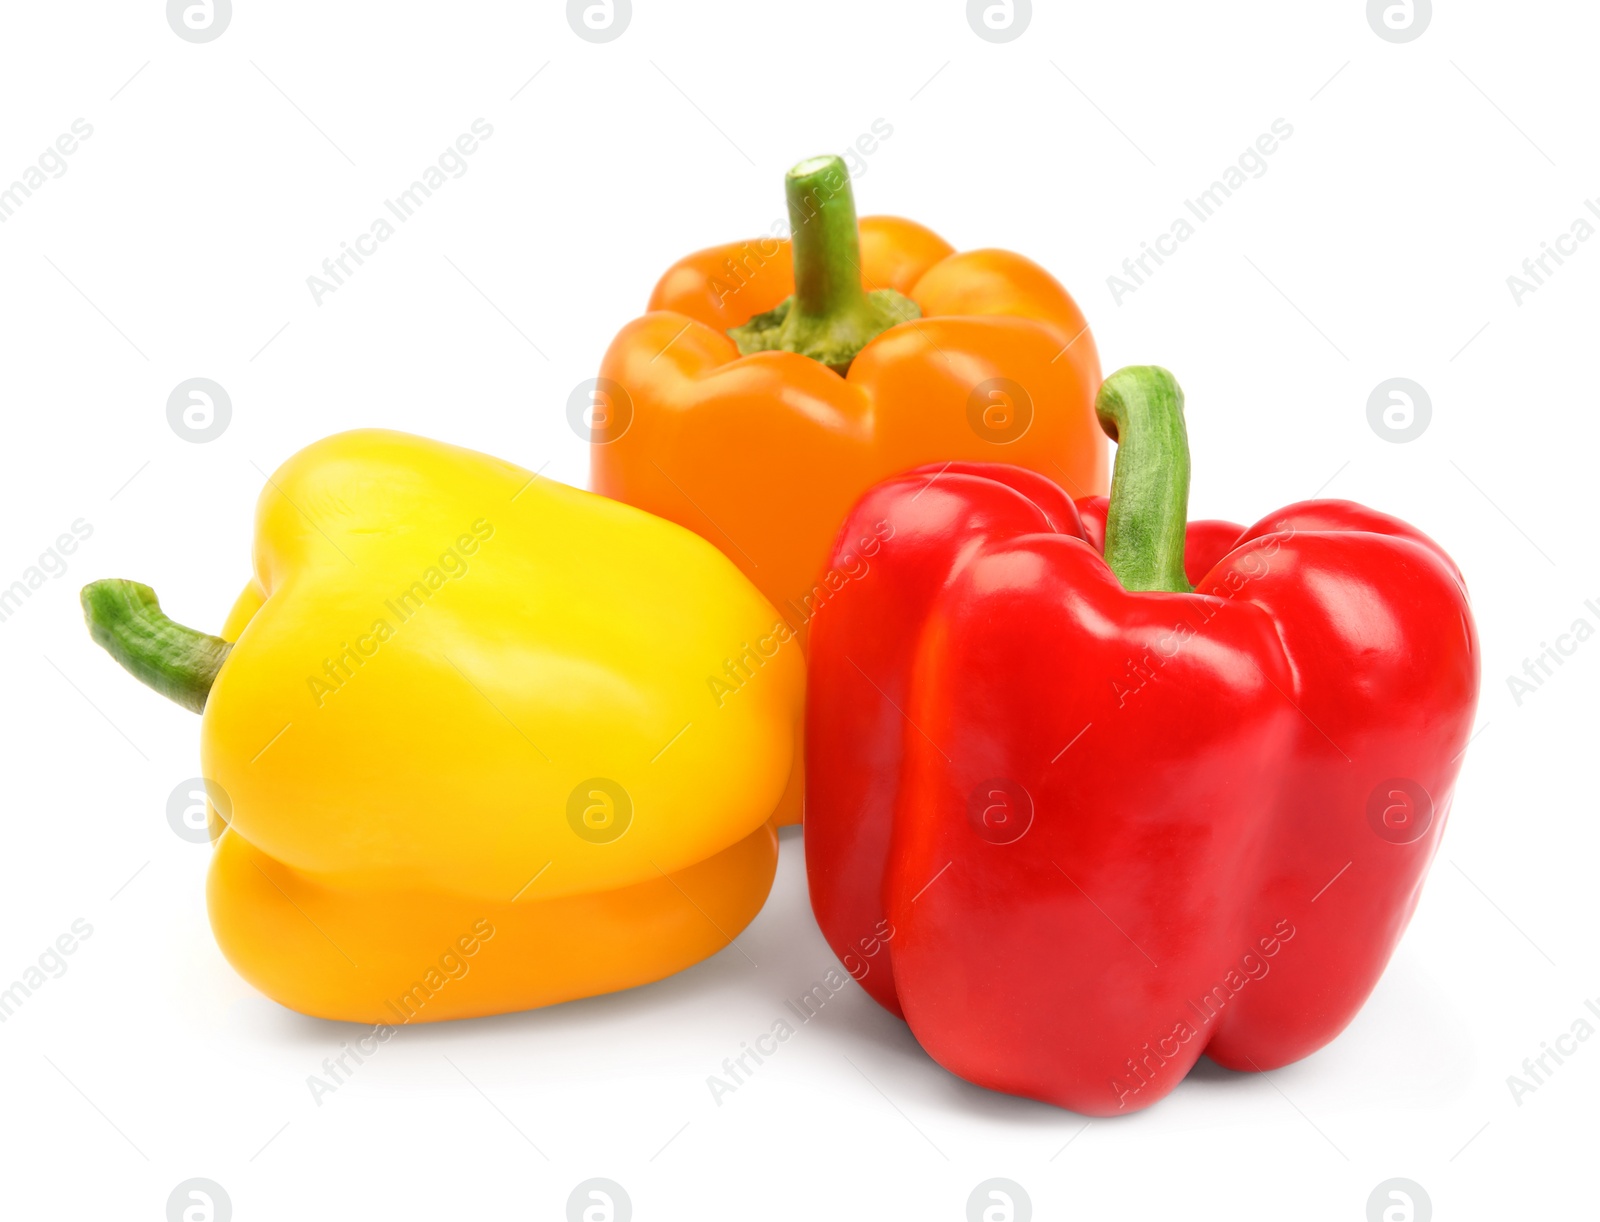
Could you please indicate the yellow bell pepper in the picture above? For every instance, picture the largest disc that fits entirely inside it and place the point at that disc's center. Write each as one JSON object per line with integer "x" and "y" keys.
{"x": 461, "y": 739}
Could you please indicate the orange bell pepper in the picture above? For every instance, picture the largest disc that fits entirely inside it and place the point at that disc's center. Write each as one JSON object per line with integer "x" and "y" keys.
{"x": 890, "y": 352}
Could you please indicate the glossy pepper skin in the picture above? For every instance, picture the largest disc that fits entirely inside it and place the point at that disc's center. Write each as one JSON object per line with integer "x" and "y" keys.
{"x": 1078, "y": 830}
{"x": 463, "y": 745}
{"x": 763, "y": 454}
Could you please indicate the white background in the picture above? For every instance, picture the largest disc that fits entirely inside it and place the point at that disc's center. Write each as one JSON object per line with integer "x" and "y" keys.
{"x": 178, "y": 244}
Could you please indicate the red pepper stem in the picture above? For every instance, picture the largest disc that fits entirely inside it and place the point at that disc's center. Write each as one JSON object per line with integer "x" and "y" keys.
{"x": 125, "y": 619}
{"x": 1141, "y": 409}
{"x": 831, "y": 315}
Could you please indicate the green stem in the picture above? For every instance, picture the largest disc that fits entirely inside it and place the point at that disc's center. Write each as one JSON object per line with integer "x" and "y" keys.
{"x": 827, "y": 242}
{"x": 1141, "y": 409}
{"x": 831, "y": 317}
{"x": 125, "y": 619}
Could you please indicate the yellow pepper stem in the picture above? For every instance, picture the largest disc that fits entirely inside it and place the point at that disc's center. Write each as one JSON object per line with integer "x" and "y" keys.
{"x": 126, "y": 620}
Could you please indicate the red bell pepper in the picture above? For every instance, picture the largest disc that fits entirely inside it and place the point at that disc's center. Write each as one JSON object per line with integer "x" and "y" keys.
{"x": 1078, "y": 820}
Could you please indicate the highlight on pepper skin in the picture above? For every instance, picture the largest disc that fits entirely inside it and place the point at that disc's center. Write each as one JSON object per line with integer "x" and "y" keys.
{"x": 1129, "y": 789}
{"x": 461, "y": 740}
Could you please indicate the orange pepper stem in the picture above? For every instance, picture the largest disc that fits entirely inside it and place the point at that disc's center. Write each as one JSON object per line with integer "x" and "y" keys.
{"x": 1141, "y": 409}
{"x": 125, "y": 619}
{"x": 827, "y": 244}
{"x": 831, "y": 316}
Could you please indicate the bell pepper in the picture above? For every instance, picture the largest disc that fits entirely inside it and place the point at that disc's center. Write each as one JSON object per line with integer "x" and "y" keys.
{"x": 460, "y": 750}
{"x": 774, "y": 381}
{"x": 1091, "y": 794}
